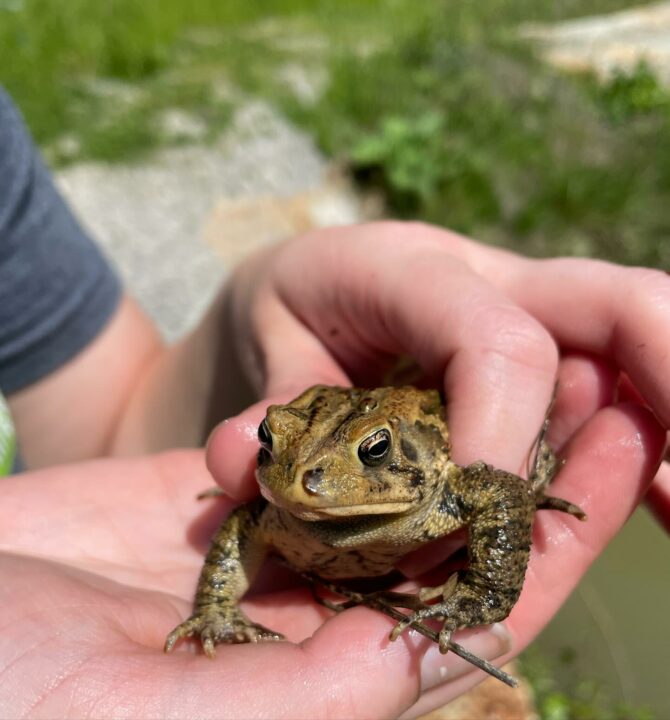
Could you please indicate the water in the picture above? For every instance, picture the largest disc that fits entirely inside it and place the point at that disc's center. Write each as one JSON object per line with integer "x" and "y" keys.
{"x": 618, "y": 619}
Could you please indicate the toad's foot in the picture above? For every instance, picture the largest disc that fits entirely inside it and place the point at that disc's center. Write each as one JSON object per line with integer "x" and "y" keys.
{"x": 213, "y": 492}
{"x": 548, "y": 502}
{"x": 430, "y": 612}
{"x": 411, "y": 601}
{"x": 216, "y": 624}
{"x": 461, "y": 606}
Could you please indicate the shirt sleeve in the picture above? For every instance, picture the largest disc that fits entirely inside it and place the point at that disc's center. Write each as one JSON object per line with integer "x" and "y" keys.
{"x": 57, "y": 291}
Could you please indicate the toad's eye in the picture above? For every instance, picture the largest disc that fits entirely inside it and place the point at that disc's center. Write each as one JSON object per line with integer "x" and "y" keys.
{"x": 375, "y": 448}
{"x": 265, "y": 436}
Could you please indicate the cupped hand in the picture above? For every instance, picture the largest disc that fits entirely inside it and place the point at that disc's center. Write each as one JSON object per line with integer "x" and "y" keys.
{"x": 98, "y": 562}
{"x": 492, "y": 328}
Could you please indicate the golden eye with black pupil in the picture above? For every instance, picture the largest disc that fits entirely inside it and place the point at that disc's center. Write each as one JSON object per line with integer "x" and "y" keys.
{"x": 265, "y": 436}
{"x": 375, "y": 448}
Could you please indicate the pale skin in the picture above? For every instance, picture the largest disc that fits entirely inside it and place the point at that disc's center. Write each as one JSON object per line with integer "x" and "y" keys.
{"x": 116, "y": 545}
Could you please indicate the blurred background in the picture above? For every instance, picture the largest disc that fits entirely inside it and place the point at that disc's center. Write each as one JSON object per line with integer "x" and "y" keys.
{"x": 186, "y": 133}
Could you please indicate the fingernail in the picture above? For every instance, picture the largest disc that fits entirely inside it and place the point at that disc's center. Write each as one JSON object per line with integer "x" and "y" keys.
{"x": 489, "y": 643}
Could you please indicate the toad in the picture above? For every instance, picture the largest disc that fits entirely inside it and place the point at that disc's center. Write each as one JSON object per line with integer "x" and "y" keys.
{"x": 351, "y": 481}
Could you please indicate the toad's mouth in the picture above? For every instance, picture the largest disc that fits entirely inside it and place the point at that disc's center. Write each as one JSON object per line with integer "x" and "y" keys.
{"x": 319, "y": 512}
{"x": 382, "y": 508}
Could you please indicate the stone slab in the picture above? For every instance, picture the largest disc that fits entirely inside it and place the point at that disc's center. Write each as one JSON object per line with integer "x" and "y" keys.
{"x": 607, "y": 43}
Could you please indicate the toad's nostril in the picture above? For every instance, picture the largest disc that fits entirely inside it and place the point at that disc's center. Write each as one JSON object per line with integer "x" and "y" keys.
{"x": 312, "y": 479}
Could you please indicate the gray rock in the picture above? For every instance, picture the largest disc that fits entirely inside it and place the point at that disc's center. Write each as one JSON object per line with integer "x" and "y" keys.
{"x": 150, "y": 217}
{"x": 607, "y": 43}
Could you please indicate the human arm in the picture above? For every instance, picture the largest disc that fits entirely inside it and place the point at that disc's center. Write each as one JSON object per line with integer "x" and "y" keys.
{"x": 128, "y": 392}
{"x": 77, "y": 354}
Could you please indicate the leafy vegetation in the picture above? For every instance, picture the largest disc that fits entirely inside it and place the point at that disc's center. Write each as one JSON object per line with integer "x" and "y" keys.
{"x": 474, "y": 132}
{"x": 102, "y": 73}
{"x": 440, "y": 105}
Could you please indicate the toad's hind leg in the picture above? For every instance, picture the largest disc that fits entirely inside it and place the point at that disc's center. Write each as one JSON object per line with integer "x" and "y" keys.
{"x": 384, "y": 599}
{"x": 498, "y": 508}
{"x": 544, "y": 470}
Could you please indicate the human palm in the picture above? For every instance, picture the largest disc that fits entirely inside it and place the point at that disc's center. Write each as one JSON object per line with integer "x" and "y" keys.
{"x": 102, "y": 559}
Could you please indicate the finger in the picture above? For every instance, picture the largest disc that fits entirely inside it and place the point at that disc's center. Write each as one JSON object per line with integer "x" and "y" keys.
{"x": 294, "y": 359}
{"x": 343, "y": 674}
{"x": 99, "y": 497}
{"x": 347, "y": 669}
{"x": 278, "y": 353}
{"x": 233, "y": 446}
{"x": 609, "y": 466}
{"x": 622, "y": 445}
{"x": 658, "y": 497}
{"x": 586, "y": 384}
{"x": 591, "y": 306}
{"x": 412, "y": 665}
{"x": 295, "y": 614}
{"x": 124, "y": 515}
{"x": 395, "y": 288}
{"x": 619, "y": 313}
{"x": 98, "y": 644}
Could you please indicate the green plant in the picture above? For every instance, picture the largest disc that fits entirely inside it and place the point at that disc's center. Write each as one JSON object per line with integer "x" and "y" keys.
{"x": 460, "y": 124}
{"x": 631, "y": 94}
{"x": 409, "y": 149}
{"x": 440, "y": 104}
{"x": 580, "y": 699}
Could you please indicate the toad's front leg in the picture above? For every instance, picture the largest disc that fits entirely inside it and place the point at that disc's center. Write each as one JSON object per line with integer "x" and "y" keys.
{"x": 498, "y": 507}
{"x": 233, "y": 559}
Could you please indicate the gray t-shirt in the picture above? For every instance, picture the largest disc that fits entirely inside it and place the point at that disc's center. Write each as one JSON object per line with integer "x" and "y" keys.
{"x": 57, "y": 291}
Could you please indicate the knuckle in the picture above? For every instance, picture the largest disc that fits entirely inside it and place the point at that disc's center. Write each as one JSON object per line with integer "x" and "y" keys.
{"x": 416, "y": 233}
{"x": 391, "y": 228}
{"x": 517, "y": 336}
{"x": 646, "y": 285}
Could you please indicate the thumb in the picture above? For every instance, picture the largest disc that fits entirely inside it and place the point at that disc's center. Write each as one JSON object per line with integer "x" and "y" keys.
{"x": 347, "y": 669}
{"x": 232, "y": 448}
{"x": 293, "y": 356}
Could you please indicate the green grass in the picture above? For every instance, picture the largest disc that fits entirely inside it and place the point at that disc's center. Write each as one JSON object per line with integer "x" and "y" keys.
{"x": 437, "y": 103}
{"x": 51, "y": 52}
{"x": 461, "y": 125}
